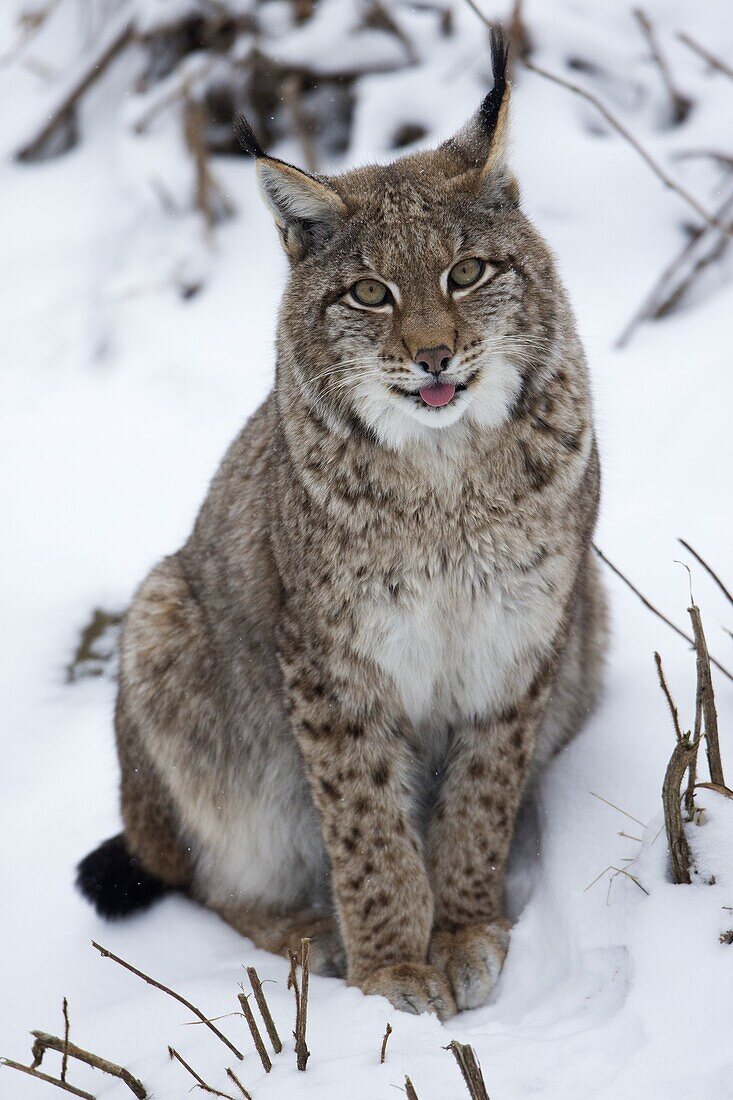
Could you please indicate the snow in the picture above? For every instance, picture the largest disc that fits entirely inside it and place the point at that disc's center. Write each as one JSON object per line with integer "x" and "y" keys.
{"x": 117, "y": 399}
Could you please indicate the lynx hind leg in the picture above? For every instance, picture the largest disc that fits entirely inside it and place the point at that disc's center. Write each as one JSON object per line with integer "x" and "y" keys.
{"x": 281, "y": 933}
{"x": 471, "y": 959}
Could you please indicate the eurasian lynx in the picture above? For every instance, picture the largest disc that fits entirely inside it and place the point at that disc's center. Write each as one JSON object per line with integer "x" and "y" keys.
{"x": 387, "y": 617}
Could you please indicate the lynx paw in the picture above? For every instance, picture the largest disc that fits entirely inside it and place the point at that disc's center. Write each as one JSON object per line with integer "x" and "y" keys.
{"x": 471, "y": 959}
{"x": 413, "y": 987}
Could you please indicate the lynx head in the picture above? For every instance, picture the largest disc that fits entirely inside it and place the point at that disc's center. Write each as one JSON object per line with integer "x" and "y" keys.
{"x": 419, "y": 295}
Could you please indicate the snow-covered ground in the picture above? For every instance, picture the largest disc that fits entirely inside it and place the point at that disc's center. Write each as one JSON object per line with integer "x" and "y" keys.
{"x": 118, "y": 398}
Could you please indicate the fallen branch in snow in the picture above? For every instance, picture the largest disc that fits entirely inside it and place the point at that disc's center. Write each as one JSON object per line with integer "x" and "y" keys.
{"x": 681, "y": 104}
{"x": 383, "y": 1051}
{"x": 704, "y": 247}
{"x": 708, "y": 569}
{"x": 706, "y": 715}
{"x": 650, "y": 606}
{"x": 110, "y": 46}
{"x": 233, "y": 1077}
{"x": 264, "y": 1008}
{"x": 44, "y": 1041}
{"x": 200, "y": 1083}
{"x": 619, "y": 127}
{"x": 410, "y": 1090}
{"x": 171, "y": 993}
{"x": 705, "y": 54}
{"x": 45, "y": 1077}
{"x": 471, "y": 1070}
{"x": 254, "y": 1032}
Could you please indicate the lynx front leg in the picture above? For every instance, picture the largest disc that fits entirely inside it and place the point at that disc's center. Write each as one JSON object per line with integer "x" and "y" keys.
{"x": 469, "y": 840}
{"x": 357, "y": 766}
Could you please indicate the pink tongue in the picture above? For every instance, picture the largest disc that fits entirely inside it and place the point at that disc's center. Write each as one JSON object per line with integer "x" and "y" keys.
{"x": 438, "y": 395}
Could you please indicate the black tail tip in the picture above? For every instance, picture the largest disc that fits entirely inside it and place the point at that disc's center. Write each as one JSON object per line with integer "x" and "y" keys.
{"x": 112, "y": 879}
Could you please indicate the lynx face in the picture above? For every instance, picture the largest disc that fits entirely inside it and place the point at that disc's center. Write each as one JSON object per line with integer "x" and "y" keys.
{"x": 421, "y": 312}
{"x": 420, "y": 298}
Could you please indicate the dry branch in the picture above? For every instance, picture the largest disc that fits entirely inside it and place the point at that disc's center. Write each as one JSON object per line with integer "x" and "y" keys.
{"x": 301, "y": 1014}
{"x": 705, "y": 700}
{"x": 619, "y": 127}
{"x": 668, "y": 695}
{"x": 709, "y": 570}
{"x": 471, "y": 1070}
{"x": 264, "y": 1008}
{"x": 705, "y": 54}
{"x": 67, "y": 1028}
{"x": 671, "y": 184}
{"x": 683, "y": 758}
{"x": 681, "y": 104}
{"x": 255, "y": 1032}
{"x": 98, "y": 61}
{"x": 650, "y": 606}
{"x": 45, "y": 1077}
{"x": 383, "y": 1051}
{"x": 171, "y": 993}
{"x": 410, "y": 1090}
{"x": 44, "y": 1042}
{"x": 704, "y": 247}
{"x": 200, "y": 1083}
{"x": 233, "y": 1077}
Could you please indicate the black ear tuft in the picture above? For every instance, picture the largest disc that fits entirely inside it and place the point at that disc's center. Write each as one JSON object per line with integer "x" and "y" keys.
{"x": 247, "y": 137}
{"x": 489, "y": 109}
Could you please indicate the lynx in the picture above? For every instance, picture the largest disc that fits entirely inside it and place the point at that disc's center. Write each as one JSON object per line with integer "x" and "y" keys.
{"x": 335, "y": 697}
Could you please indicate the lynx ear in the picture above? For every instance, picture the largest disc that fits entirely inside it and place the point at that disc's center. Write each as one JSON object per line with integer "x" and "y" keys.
{"x": 481, "y": 145}
{"x": 305, "y": 209}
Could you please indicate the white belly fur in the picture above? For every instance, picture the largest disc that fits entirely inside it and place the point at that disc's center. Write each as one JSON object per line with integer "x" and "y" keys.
{"x": 454, "y": 652}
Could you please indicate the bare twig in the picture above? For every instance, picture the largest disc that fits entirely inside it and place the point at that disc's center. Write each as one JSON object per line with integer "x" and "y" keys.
{"x": 383, "y": 1052}
{"x": 683, "y": 756}
{"x": 726, "y": 159}
{"x": 668, "y": 695}
{"x": 255, "y": 1032}
{"x": 681, "y": 104}
{"x": 264, "y": 1008}
{"x": 233, "y": 1077}
{"x": 43, "y": 1042}
{"x": 95, "y": 64}
{"x": 410, "y": 1090}
{"x": 634, "y": 142}
{"x": 704, "y": 247}
{"x": 650, "y": 606}
{"x": 709, "y": 570}
{"x": 705, "y": 54}
{"x": 618, "y": 809}
{"x": 706, "y": 699}
{"x": 301, "y": 1016}
{"x": 171, "y": 993}
{"x": 45, "y": 1077}
{"x": 200, "y": 1083}
{"x": 470, "y": 1068}
{"x": 619, "y": 127}
{"x": 67, "y": 1027}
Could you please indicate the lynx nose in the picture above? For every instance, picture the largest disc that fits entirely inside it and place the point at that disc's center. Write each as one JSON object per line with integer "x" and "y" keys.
{"x": 434, "y": 360}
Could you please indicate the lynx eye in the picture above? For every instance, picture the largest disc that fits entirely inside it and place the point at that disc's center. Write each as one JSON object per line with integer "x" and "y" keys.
{"x": 466, "y": 272}
{"x": 370, "y": 292}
